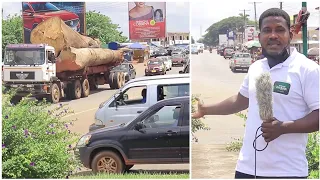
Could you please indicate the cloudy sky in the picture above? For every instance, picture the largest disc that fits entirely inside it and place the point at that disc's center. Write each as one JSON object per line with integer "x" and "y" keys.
{"x": 118, "y": 12}
{"x": 205, "y": 13}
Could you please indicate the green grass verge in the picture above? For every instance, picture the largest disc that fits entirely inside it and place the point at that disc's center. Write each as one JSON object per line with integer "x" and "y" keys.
{"x": 133, "y": 176}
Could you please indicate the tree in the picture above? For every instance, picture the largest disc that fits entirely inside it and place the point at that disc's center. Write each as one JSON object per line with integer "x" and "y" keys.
{"x": 234, "y": 23}
{"x": 12, "y": 29}
{"x": 241, "y": 15}
{"x": 101, "y": 26}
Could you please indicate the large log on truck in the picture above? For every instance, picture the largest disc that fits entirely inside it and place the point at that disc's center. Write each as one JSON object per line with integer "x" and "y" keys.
{"x": 72, "y": 59}
{"x": 56, "y": 33}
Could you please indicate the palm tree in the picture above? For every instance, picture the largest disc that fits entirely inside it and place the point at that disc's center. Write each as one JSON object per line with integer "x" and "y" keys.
{"x": 247, "y": 15}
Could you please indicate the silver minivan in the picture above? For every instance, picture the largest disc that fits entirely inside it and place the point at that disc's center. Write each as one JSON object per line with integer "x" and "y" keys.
{"x": 138, "y": 95}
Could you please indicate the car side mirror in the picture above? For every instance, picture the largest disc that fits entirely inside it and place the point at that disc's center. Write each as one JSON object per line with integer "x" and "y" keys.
{"x": 180, "y": 72}
{"x": 139, "y": 126}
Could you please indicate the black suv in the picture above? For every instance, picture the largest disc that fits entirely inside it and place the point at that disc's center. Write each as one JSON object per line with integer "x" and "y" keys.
{"x": 159, "y": 135}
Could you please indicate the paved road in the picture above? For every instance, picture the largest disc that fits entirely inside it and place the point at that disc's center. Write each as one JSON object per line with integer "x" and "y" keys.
{"x": 214, "y": 81}
{"x": 85, "y": 108}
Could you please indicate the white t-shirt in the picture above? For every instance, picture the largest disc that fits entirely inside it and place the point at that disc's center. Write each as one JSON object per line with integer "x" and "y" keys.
{"x": 284, "y": 156}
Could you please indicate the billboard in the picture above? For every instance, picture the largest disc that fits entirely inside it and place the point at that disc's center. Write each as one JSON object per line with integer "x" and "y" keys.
{"x": 147, "y": 20}
{"x": 250, "y": 33}
{"x": 72, "y": 13}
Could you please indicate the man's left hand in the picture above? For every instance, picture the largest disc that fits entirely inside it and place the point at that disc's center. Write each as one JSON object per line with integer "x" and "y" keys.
{"x": 271, "y": 129}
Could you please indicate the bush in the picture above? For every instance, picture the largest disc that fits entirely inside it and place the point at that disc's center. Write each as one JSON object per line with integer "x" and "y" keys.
{"x": 237, "y": 143}
{"x": 313, "y": 155}
{"x": 36, "y": 142}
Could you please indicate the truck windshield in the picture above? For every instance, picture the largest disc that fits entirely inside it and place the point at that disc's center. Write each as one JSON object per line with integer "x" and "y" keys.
{"x": 24, "y": 57}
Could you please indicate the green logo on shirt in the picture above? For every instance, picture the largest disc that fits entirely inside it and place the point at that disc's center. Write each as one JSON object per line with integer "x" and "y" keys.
{"x": 281, "y": 87}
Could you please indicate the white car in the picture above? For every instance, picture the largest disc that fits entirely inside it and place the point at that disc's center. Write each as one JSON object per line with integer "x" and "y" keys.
{"x": 240, "y": 61}
{"x": 167, "y": 61}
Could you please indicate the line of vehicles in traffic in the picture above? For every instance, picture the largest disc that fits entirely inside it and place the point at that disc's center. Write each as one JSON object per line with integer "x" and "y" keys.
{"x": 161, "y": 64}
{"x": 145, "y": 122}
{"x": 237, "y": 60}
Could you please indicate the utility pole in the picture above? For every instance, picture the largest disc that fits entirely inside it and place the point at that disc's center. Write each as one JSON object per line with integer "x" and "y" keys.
{"x": 245, "y": 23}
{"x": 255, "y": 14}
{"x": 305, "y": 33}
{"x": 280, "y": 5}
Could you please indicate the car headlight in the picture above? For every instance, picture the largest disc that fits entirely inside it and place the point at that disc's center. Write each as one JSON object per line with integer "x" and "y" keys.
{"x": 84, "y": 140}
{"x": 98, "y": 122}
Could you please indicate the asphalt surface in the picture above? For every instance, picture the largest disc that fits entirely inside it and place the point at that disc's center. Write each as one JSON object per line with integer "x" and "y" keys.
{"x": 84, "y": 111}
{"x": 214, "y": 82}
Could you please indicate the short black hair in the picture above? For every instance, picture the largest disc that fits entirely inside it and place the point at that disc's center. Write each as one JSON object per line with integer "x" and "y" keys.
{"x": 274, "y": 12}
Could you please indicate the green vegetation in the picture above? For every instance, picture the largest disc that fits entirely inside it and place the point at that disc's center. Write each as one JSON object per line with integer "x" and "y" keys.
{"x": 197, "y": 124}
{"x": 101, "y": 27}
{"x": 36, "y": 143}
{"x": 235, "y": 23}
{"x": 143, "y": 175}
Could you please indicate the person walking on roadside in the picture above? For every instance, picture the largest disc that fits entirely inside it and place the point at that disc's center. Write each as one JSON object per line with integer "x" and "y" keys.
{"x": 295, "y": 105}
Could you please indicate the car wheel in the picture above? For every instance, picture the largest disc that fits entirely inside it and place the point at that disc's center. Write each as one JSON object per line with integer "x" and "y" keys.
{"x": 107, "y": 162}
{"x": 128, "y": 167}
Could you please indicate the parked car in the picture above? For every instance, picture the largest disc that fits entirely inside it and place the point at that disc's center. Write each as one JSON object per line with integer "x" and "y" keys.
{"x": 155, "y": 67}
{"x": 167, "y": 61}
{"x": 228, "y": 53}
{"x": 128, "y": 70}
{"x": 35, "y": 12}
{"x": 240, "y": 61}
{"x": 178, "y": 59}
{"x": 159, "y": 135}
{"x": 136, "y": 96}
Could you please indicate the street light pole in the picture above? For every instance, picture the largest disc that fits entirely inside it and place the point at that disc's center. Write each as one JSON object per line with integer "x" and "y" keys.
{"x": 255, "y": 14}
{"x": 304, "y": 32}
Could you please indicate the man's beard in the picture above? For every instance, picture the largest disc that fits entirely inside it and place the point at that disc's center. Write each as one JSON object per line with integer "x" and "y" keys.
{"x": 277, "y": 58}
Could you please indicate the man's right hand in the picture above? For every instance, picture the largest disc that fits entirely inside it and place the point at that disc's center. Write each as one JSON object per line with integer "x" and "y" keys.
{"x": 200, "y": 113}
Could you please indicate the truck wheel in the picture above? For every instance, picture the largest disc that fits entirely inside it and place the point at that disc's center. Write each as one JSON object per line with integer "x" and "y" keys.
{"x": 54, "y": 96}
{"x": 111, "y": 75}
{"x": 107, "y": 162}
{"x": 123, "y": 79}
{"x": 85, "y": 88}
{"x": 117, "y": 80}
{"x": 76, "y": 89}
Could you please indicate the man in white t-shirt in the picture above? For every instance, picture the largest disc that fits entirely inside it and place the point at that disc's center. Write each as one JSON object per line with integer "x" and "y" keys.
{"x": 295, "y": 105}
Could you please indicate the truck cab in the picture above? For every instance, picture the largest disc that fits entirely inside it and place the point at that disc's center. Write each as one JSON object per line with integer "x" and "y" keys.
{"x": 30, "y": 68}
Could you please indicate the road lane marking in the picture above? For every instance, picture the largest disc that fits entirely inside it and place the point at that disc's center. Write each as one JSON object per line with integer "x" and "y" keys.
{"x": 80, "y": 112}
